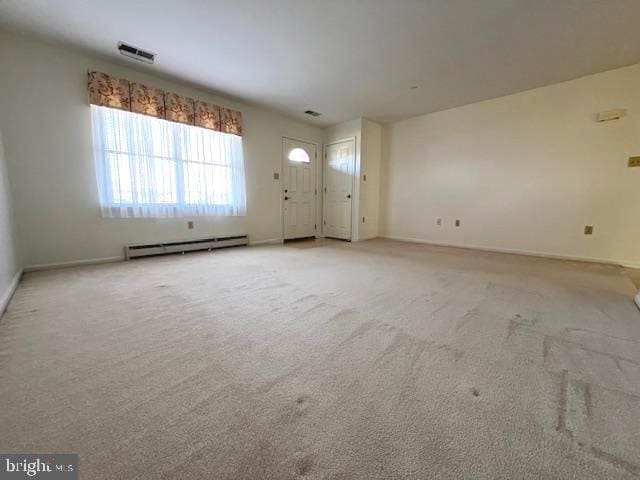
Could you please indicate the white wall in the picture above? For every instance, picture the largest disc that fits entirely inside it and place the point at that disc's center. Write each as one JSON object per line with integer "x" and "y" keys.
{"x": 366, "y": 193}
{"x": 370, "y": 179}
{"x": 45, "y": 117}
{"x": 525, "y": 172}
{"x": 9, "y": 263}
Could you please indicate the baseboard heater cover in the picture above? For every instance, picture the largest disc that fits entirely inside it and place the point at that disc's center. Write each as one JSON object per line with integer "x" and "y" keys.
{"x": 182, "y": 246}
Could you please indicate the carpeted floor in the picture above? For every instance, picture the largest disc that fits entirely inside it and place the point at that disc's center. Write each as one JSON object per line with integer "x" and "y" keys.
{"x": 377, "y": 360}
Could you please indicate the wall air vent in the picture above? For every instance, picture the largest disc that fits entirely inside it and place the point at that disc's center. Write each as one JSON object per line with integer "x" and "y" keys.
{"x": 312, "y": 113}
{"x": 136, "y": 53}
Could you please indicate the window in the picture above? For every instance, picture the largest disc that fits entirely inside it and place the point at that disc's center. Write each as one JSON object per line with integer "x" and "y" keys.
{"x": 148, "y": 167}
{"x": 299, "y": 155}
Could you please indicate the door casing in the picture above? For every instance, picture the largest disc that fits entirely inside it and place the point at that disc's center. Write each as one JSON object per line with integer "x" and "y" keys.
{"x": 318, "y": 170}
{"x": 353, "y": 180}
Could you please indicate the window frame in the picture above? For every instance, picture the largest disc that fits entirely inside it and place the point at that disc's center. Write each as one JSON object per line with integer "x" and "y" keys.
{"x": 179, "y": 144}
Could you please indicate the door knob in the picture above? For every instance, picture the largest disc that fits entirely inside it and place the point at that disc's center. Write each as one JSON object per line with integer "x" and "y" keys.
{"x": 349, "y": 196}
{"x": 286, "y": 198}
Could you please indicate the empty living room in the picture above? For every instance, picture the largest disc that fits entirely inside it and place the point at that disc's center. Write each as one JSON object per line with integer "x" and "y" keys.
{"x": 338, "y": 239}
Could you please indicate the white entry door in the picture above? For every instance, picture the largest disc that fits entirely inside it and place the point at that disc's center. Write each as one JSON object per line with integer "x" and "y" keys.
{"x": 339, "y": 166}
{"x": 299, "y": 189}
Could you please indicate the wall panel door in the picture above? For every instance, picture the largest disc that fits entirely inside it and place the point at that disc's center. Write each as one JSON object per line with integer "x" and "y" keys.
{"x": 339, "y": 167}
{"x": 299, "y": 189}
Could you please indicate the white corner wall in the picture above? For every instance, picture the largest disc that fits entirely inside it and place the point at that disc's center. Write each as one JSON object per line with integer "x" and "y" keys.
{"x": 366, "y": 192}
{"x": 523, "y": 173}
{"x": 9, "y": 262}
{"x": 370, "y": 179}
{"x": 45, "y": 117}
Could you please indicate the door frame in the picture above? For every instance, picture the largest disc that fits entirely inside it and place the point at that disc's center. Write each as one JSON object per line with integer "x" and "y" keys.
{"x": 354, "y": 139}
{"x": 318, "y": 188}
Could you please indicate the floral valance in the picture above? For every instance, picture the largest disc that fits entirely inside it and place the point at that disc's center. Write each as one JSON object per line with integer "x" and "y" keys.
{"x": 108, "y": 91}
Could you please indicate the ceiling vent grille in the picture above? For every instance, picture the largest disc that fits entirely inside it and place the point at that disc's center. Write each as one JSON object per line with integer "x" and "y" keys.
{"x": 136, "y": 53}
{"x": 312, "y": 113}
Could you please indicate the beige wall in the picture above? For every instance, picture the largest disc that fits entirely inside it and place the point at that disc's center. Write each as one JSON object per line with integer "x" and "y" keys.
{"x": 523, "y": 173}
{"x": 9, "y": 262}
{"x": 46, "y": 123}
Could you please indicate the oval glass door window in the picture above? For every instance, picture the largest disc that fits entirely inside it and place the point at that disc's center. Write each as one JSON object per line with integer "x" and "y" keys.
{"x": 299, "y": 155}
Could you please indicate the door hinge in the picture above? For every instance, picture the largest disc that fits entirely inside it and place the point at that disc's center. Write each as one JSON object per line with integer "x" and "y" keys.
{"x": 315, "y": 226}
{"x": 325, "y": 189}
{"x": 316, "y": 190}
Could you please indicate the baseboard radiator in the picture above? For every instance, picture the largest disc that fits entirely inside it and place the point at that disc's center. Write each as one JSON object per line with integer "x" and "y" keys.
{"x": 165, "y": 248}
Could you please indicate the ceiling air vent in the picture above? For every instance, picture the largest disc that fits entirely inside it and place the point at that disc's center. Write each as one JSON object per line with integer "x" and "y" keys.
{"x": 136, "y": 53}
{"x": 312, "y": 113}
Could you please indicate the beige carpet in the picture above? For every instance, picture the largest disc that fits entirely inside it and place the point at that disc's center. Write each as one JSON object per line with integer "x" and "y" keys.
{"x": 376, "y": 360}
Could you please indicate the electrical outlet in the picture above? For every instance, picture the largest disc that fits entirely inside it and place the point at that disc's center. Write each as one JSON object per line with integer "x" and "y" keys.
{"x": 190, "y": 224}
{"x": 588, "y": 230}
{"x": 634, "y": 162}
{"x": 438, "y": 221}
{"x": 457, "y": 223}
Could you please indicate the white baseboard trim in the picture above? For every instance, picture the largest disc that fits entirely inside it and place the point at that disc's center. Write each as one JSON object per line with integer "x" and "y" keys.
{"x": 72, "y": 263}
{"x": 529, "y": 253}
{"x": 269, "y": 241}
{"x": 8, "y": 293}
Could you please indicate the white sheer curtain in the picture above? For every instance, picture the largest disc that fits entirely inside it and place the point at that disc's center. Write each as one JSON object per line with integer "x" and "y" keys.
{"x": 147, "y": 167}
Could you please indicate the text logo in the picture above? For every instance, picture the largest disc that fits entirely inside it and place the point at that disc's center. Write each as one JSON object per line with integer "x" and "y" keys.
{"x": 49, "y": 466}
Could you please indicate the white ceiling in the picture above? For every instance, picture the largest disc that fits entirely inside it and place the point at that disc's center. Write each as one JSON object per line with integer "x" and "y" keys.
{"x": 351, "y": 58}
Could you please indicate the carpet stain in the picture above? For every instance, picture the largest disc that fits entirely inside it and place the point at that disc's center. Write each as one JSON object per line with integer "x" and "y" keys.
{"x": 305, "y": 298}
{"x": 468, "y": 317}
{"x": 511, "y": 328}
{"x": 615, "y": 461}
{"x": 546, "y": 346}
{"x": 357, "y": 333}
{"x": 600, "y": 334}
{"x": 454, "y": 352}
{"x": 405, "y": 345}
{"x": 304, "y": 465}
{"x": 561, "y": 426}
{"x": 318, "y": 306}
{"x": 588, "y": 396}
